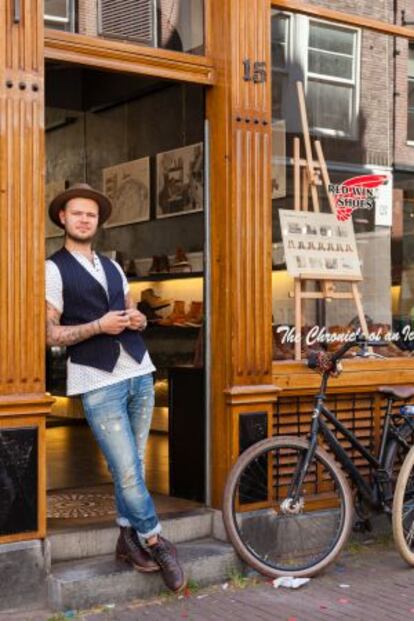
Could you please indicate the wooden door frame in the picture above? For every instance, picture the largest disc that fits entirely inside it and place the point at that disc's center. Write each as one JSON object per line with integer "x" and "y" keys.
{"x": 112, "y": 55}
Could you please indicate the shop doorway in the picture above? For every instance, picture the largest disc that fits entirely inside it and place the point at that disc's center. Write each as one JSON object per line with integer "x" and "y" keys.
{"x": 141, "y": 140}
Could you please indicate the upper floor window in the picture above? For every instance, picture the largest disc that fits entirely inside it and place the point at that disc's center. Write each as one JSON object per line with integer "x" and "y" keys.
{"x": 325, "y": 57}
{"x": 410, "y": 126}
{"x": 280, "y": 59}
{"x": 331, "y": 78}
{"x": 59, "y": 14}
{"x": 168, "y": 24}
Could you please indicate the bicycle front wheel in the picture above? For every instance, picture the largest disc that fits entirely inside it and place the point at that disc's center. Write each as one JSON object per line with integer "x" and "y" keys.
{"x": 403, "y": 510}
{"x": 273, "y": 533}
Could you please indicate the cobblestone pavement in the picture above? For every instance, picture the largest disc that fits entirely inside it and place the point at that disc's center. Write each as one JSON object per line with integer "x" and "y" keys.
{"x": 369, "y": 583}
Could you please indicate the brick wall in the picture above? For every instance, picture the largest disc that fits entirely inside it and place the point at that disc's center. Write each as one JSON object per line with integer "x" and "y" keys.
{"x": 378, "y": 9}
{"x": 87, "y": 17}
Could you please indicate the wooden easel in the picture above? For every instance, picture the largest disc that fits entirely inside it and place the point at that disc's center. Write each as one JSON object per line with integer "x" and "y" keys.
{"x": 308, "y": 175}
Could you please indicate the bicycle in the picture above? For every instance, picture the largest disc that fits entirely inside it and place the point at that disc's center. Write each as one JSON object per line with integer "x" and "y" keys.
{"x": 288, "y": 507}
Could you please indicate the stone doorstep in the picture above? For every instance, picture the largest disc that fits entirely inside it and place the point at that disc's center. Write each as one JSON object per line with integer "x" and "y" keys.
{"x": 23, "y": 571}
{"x": 85, "y": 542}
{"x": 102, "y": 580}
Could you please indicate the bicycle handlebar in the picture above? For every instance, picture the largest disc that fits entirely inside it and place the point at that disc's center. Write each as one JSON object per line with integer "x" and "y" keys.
{"x": 328, "y": 362}
{"x": 362, "y": 342}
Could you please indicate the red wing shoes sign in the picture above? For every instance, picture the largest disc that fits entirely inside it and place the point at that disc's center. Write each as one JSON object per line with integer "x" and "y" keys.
{"x": 319, "y": 246}
{"x": 363, "y": 192}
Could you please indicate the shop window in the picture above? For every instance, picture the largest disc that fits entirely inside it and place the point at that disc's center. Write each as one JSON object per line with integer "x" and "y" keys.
{"x": 347, "y": 78}
{"x": 326, "y": 58}
{"x": 410, "y": 128}
{"x": 59, "y": 14}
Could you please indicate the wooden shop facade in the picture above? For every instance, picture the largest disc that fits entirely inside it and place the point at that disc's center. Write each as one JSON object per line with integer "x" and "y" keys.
{"x": 199, "y": 115}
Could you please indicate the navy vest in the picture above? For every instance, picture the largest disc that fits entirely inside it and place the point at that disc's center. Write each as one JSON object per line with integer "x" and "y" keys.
{"x": 85, "y": 300}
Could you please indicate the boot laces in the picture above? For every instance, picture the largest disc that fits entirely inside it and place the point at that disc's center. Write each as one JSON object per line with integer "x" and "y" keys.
{"x": 163, "y": 554}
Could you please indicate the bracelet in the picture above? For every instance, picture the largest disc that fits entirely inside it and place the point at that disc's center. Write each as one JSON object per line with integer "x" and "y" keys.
{"x": 99, "y": 326}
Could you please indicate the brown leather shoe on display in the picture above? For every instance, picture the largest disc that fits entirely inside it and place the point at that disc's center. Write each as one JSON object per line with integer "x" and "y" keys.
{"x": 165, "y": 555}
{"x": 149, "y": 312}
{"x": 152, "y": 299}
{"x": 164, "y": 264}
{"x": 155, "y": 265}
{"x": 129, "y": 549}
{"x": 181, "y": 263}
{"x": 177, "y": 316}
{"x": 194, "y": 317}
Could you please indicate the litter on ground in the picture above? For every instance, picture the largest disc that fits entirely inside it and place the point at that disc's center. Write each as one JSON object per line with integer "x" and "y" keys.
{"x": 289, "y": 582}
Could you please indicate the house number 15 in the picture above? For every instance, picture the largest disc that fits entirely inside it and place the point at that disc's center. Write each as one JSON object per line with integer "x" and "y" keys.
{"x": 258, "y": 75}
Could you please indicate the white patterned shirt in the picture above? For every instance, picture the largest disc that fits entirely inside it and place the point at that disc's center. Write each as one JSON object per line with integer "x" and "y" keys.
{"x": 82, "y": 378}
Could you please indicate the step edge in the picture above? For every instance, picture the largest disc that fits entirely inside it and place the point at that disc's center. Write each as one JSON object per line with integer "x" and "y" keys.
{"x": 224, "y": 548}
{"x": 170, "y": 517}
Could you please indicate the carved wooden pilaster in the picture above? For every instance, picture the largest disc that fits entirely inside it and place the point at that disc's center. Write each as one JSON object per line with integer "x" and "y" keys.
{"x": 21, "y": 198}
{"x": 23, "y": 404}
{"x": 240, "y": 119}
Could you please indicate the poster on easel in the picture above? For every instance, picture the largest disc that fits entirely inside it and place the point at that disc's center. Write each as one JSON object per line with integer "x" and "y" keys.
{"x": 317, "y": 246}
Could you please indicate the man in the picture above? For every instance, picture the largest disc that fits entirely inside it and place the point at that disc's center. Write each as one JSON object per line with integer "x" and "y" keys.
{"x": 90, "y": 311}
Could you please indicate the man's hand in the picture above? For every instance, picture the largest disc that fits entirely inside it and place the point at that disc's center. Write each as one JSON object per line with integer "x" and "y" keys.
{"x": 137, "y": 320}
{"x": 115, "y": 322}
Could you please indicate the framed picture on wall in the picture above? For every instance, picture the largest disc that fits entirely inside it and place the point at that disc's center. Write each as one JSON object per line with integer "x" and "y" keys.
{"x": 128, "y": 187}
{"x": 52, "y": 189}
{"x": 180, "y": 181}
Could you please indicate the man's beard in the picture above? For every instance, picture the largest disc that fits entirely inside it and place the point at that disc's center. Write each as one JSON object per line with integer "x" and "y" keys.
{"x": 80, "y": 240}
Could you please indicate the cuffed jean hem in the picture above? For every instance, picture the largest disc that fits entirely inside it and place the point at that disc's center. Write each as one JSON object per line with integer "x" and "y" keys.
{"x": 121, "y": 521}
{"x": 143, "y": 538}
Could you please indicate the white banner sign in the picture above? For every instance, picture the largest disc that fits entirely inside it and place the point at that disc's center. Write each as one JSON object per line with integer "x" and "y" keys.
{"x": 383, "y": 202}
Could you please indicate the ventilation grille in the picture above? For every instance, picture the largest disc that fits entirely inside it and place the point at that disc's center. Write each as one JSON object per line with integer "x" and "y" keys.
{"x": 128, "y": 19}
{"x": 355, "y": 411}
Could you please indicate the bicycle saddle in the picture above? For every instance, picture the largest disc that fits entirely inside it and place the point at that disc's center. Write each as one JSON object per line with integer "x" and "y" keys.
{"x": 399, "y": 392}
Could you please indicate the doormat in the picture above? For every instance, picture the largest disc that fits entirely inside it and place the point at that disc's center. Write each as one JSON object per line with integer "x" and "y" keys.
{"x": 80, "y": 505}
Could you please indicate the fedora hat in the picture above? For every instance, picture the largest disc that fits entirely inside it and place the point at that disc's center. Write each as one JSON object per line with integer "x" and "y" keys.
{"x": 80, "y": 190}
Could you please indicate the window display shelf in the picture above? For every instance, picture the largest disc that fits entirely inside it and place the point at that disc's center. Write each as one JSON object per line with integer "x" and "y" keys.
{"x": 166, "y": 276}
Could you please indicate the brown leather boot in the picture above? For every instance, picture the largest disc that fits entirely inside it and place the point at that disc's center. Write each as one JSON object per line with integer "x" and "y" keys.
{"x": 165, "y": 554}
{"x": 155, "y": 301}
{"x": 129, "y": 549}
{"x": 177, "y": 315}
{"x": 180, "y": 262}
{"x": 195, "y": 315}
{"x": 155, "y": 265}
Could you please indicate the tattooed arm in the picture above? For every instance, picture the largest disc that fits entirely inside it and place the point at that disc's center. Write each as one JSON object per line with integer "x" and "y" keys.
{"x": 114, "y": 322}
{"x": 67, "y": 335}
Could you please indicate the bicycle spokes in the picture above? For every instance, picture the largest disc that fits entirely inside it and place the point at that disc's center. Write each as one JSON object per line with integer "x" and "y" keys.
{"x": 282, "y": 525}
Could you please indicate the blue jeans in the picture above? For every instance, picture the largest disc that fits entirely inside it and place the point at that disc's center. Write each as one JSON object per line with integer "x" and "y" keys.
{"x": 120, "y": 418}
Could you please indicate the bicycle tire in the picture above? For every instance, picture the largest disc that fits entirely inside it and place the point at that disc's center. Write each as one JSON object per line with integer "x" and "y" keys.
{"x": 395, "y": 457}
{"x": 403, "y": 510}
{"x": 261, "y": 561}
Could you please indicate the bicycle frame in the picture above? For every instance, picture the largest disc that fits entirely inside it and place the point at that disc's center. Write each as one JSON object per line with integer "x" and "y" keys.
{"x": 371, "y": 493}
